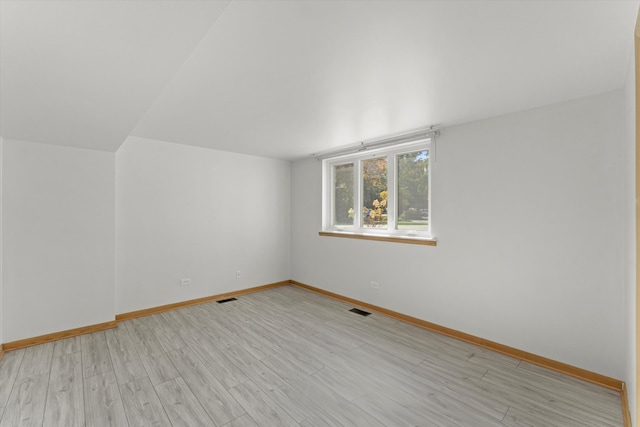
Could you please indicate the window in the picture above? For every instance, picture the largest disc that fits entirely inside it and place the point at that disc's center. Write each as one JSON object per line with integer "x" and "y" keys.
{"x": 379, "y": 192}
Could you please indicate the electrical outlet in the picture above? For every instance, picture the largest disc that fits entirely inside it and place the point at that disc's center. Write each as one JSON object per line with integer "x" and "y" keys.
{"x": 237, "y": 274}
{"x": 375, "y": 285}
{"x": 185, "y": 282}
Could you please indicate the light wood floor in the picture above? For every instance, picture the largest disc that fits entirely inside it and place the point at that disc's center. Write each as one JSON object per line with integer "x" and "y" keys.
{"x": 285, "y": 357}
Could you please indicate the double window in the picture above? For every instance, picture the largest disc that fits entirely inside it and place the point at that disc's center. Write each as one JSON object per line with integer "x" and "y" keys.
{"x": 384, "y": 191}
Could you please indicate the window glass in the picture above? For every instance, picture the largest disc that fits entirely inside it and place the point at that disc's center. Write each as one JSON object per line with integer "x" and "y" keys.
{"x": 374, "y": 193}
{"x": 343, "y": 194}
{"x": 413, "y": 190}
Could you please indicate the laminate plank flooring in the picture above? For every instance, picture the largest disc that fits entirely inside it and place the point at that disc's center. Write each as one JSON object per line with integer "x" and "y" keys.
{"x": 143, "y": 407}
{"x": 243, "y": 421}
{"x": 126, "y": 362}
{"x": 286, "y": 357}
{"x": 212, "y": 395}
{"x": 36, "y": 361}
{"x": 26, "y": 404}
{"x": 103, "y": 402}
{"x": 260, "y": 406}
{"x": 155, "y": 361}
{"x": 65, "y": 394}
{"x": 67, "y": 346}
{"x": 95, "y": 354}
{"x": 9, "y": 367}
{"x": 181, "y": 405}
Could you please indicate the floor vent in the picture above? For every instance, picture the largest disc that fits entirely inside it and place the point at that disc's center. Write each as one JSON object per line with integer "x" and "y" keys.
{"x": 360, "y": 312}
{"x": 226, "y": 300}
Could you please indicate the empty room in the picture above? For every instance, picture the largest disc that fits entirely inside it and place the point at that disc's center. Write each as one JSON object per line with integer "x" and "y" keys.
{"x": 318, "y": 213}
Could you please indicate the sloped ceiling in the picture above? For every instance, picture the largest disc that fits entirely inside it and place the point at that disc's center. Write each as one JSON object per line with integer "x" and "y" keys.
{"x": 286, "y": 79}
{"x": 83, "y": 73}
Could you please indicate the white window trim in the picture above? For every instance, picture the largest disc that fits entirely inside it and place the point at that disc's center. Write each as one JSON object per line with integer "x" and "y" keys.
{"x": 328, "y": 210}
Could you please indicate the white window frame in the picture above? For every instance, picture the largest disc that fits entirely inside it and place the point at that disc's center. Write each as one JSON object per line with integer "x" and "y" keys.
{"x": 391, "y": 153}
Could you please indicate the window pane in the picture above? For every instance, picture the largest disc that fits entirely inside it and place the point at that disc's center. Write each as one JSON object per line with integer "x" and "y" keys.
{"x": 413, "y": 190}
{"x": 374, "y": 192}
{"x": 343, "y": 194}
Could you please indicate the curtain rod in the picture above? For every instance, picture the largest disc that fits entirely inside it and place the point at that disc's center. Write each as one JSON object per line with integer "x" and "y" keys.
{"x": 430, "y": 132}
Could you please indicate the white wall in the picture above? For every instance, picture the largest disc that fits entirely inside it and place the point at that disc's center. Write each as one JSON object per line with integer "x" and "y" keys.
{"x": 529, "y": 210}
{"x": 58, "y": 238}
{"x": 187, "y": 212}
{"x": 630, "y": 297}
{"x": 1, "y": 239}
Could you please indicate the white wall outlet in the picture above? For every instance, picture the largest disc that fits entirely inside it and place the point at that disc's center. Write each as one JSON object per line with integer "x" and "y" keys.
{"x": 185, "y": 282}
{"x": 238, "y": 274}
{"x": 375, "y": 285}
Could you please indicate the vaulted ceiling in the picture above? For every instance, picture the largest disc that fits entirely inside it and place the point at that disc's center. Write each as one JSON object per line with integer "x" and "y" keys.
{"x": 285, "y": 79}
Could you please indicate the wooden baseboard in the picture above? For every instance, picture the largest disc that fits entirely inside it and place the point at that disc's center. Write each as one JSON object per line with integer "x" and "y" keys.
{"x": 162, "y": 308}
{"x": 626, "y": 413}
{"x": 554, "y": 365}
{"x": 28, "y": 342}
{"x": 564, "y": 368}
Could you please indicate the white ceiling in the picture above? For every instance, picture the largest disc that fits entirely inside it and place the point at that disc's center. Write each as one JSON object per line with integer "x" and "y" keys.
{"x": 286, "y": 79}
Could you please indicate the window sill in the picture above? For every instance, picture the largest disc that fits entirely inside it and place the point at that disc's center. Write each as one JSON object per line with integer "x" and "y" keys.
{"x": 381, "y": 238}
